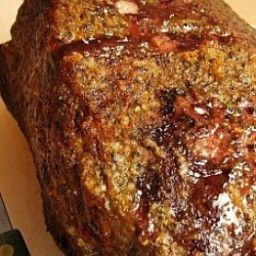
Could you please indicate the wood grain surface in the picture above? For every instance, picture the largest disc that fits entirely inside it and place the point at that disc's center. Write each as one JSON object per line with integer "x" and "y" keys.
{"x": 18, "y": 182}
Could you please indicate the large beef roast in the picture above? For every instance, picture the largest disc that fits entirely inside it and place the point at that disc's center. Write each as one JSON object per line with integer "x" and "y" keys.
{"x": 141, "y": 117}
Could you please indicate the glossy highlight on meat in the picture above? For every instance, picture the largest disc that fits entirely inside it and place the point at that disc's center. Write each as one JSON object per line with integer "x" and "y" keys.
{"x": 140, "y": 115}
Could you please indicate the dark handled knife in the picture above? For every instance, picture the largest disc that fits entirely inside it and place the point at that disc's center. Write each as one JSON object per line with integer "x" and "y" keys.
{"x": 11, "y": 240}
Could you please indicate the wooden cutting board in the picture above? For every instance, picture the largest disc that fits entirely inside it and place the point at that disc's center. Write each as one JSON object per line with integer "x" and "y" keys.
{"x": 18, "y": 182}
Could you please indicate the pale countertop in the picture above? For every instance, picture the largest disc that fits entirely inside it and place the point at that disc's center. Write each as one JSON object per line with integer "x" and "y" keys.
{"x": 18, "y": 182}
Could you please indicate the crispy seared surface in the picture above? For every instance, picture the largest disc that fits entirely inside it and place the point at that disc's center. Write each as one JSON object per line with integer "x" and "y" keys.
{"x": 141, "y": 118}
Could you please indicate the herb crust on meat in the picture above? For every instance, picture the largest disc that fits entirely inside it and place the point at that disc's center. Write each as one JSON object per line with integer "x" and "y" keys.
{"x": 141, "y": 117}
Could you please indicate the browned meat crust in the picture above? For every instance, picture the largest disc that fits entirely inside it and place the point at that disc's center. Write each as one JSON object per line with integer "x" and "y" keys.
{"x": 141, "y": 118}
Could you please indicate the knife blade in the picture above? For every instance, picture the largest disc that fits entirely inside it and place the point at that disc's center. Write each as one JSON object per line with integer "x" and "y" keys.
{"x": 5, "y": 223}
{"x": 11, "y": 240}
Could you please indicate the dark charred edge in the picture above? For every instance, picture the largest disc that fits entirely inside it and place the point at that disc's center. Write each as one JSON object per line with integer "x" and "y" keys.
{"x": 29, "y": 11}
{"x": 3, "y": 81}
{"x": 64, "y": 241}
{"x": 6, "y": 93}
{"x": 59, "y": 234}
